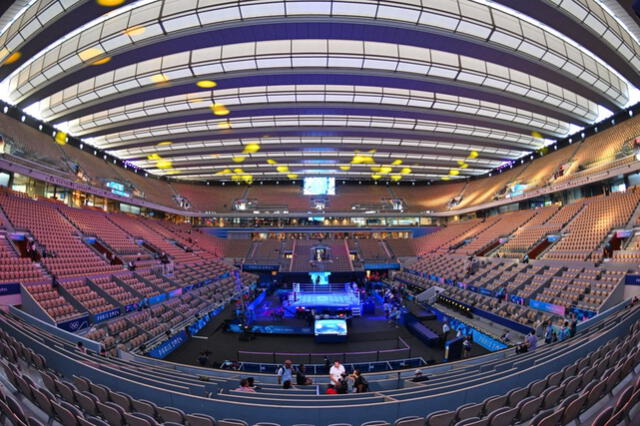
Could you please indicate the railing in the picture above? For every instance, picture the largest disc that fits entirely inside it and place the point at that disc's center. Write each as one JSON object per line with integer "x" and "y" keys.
{"x": 402, "y": 351}
{"x": 321, "y": 369}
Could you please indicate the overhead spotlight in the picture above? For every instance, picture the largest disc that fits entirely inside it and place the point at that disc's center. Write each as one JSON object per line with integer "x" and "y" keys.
{"x": 582, "y": 135}
{"x": 22, "y": 118}
{"x": 630, "y": 113}
{"x": 613, "y": 121}
{"x": 40, "y": 127}
{"x": 82, "y": 146}
{"x": 5, "y": 109}
{"x": 95, "y": 152}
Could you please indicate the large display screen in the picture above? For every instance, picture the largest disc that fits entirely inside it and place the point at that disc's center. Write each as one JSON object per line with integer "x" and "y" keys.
{"x": 334, "y": 327}
{"x": 319, "y": 186}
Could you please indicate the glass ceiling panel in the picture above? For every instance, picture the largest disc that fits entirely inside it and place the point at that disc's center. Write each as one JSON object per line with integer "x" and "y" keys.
{"x": 310, "y": 93}
{"x": 442, "y": 65}
{"x": 598, "y": 20}
{"x": 121, "y": 139}
{"x": 466, "y": 17}
{"x": 178, "y": 148}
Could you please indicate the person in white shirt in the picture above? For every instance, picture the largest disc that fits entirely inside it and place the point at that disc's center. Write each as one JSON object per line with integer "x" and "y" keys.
{"x": 445, "y": 332}
{"x": 335, "y": 372}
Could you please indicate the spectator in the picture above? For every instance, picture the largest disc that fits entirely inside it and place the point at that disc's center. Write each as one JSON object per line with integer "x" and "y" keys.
{"x": 331, "y": 390}
{"x": 251, "y": 382}
{"x": 548, "y": 334}
{"x": 244, "y": 386}
{"x": 343, "y": 384}
{"x": 285, "y": 373}
{"x": 203, "y": 359}
{"x": 301, "y": 377}
{"x": 531, "y": 341}
{"x": 445, "y": 332}
{"x": 286, "y": 384}
{"x": 565, "y": 332}
{"x": 574, "y": 326}
{"x": 360, "y": 384}
{"x": 335, "y": 372}
{"x": 466, "y": 348}
{"x": 81, "y": 347}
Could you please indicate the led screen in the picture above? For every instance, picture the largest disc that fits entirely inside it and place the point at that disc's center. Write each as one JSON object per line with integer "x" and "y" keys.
{"x": 319, "y": 186}
{"x": 335, "y": 327}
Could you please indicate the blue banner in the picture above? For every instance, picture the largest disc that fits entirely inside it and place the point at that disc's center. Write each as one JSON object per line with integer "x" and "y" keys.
{"x": 632, "y": 280}
{"x": 547, "y": 307}
{"x": 381, "y": 266}
{"x": 132, "y": 307}
{"x": 9, "y": 288}
{"x": 478, "y": 337}
{"x": 516, "y": 299}
{"x": 168, "y": 346}
{"x": 272, "y": 329}
{"x": 175, "y": 293}
{"x": 75, "y": 324}
{"x": 256, "y": 267}
{"x": 103, "y": 316}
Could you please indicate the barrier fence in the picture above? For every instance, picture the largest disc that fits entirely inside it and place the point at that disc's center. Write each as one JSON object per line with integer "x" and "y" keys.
{"x": 403, "y": 350}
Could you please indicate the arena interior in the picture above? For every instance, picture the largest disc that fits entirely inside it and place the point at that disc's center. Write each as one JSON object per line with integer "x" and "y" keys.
{"x": 310, "y": 213}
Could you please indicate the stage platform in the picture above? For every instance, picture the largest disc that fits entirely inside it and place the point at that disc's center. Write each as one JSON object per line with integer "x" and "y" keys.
{"x": 337, "y": 301}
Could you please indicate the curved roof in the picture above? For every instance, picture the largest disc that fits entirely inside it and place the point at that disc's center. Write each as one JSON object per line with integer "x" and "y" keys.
{"x": 267, "y": 89}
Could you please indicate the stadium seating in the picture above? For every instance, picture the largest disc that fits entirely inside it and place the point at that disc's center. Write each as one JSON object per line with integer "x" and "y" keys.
{"x": 578, "y": 378}
{"x": 210, "y": 199}
{"x": 339, "y": 258}
{"x": 370, "y": 249}
{"x": 603, "y": 150}
{"x": 347, "y": 196}
{"x": 279, "y": 197}
{"x": 56, "y": 306}
{"x": 587, "y": 231}
{"x": 443, "y": 238}
{"x": 58, "y": 237}
{"x": 266, "y": 252}
{"x": 14, "y": 268}
{"x": 92, "y": 301}
{"x": 146, "y": 230}
{"x": 96, "y": 223}
{"x": 401, "y": 247}
{"x": 529, "y": 234}
{"x": 433, "y": 198}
